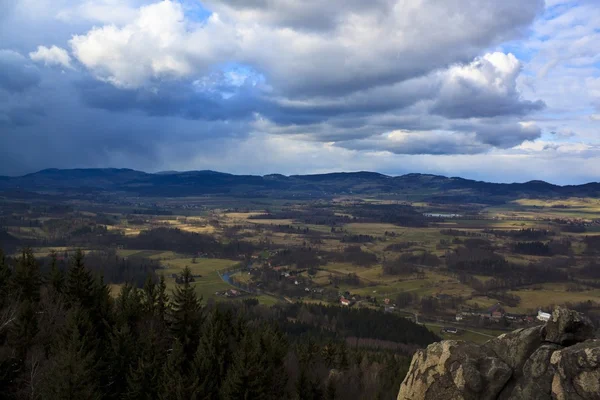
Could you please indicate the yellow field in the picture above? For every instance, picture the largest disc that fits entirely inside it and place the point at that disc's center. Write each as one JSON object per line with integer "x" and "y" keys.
{"x": 551, "y": 294}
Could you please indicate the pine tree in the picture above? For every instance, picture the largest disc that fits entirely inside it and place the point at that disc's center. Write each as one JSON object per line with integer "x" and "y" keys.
{"x": 26, "y": 278}
{"x": 329, "y": 354}
{"x": 244, "y": 379}
{"x": 79, "y": 287}
{"x": 144, "y": 378}
{"x": 72, "y": 369}
{"x": 24, "y": 329}
{"x": 57, "y": 277}
{"x": 330, "y": 390}
{"x": 150, "y": 296}
{"x": 307, "y": 386}
{"x": 122, "y": 356}
{"x": 342, "y": 356}
{"x": 5, "y": 275}
{"x": 175, "y": 384}
{"x": 162, "y": 300}
{"x": 128, "y": 306}
{"x": 213, "y": 357}
{"x": 185, "y": 315}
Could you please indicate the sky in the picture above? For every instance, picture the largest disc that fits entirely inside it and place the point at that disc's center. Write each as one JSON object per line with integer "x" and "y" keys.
{"x": 503, "y": 91}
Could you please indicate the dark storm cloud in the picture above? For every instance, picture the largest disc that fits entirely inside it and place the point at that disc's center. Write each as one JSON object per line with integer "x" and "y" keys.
{"x": 473, "y": 102}
{"x": 52, "y": 127}
{"x": 16, "y": 73}
{"x": 420, "y": 143}
{"x": 345, "y": 71}
{"x": 174, "y": 99}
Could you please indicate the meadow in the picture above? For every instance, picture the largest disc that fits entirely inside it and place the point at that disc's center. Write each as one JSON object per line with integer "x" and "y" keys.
{"x": 329, "y": 229}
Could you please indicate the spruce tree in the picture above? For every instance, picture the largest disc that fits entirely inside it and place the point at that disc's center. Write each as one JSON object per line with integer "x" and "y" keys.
{"x": 79, "y": 287}
{"x": 185, "y": 315}
{"x": 24, "y": 329}
{"x": 57, "y": 277}
{"x": 330, "y": 390}
{"x": 257, "y": 371}
{"x": 26, "y": 278}
{"x": 175, "y": 383}
{"x": 163, "y": 307}
{"x": 144, "y": 378}
{"x": 5, "y": 275}
{"x": 150, "y": 296}
{"x": 213, "y": 357}
{"x": 129, "y": 306}
{"x": 329, "y": 354}
{"x": 342, "y": 356}
{"x": 243, "y": 380}
{"x": 121, "y": 360}
{"x": 72, "y": 371}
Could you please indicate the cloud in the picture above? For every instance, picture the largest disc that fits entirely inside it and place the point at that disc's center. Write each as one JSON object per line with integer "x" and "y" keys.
{"x": 487, "y": 87}
{"x": 16, "y": 74}
{"x": 160, "y": 43}
{"x": 53, "y": 56}
{"x": 366, "y": 43}
{"x": 460, "y": 87}
{"x": 117, "y": 12}
{"x": 411, "y": 142}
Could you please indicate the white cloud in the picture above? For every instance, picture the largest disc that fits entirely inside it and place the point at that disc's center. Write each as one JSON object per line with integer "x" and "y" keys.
{"x": 364, "y": 43}
{"x": 52, "y": 56}
{"x": 105, "y": 11}
{"x": 389, "y": 85}
{"x": 158, "y": 44}
{"x": 487, "y": 87}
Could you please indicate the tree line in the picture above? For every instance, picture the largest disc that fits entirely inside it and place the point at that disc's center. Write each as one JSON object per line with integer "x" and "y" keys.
{"x": 63, "y": 336}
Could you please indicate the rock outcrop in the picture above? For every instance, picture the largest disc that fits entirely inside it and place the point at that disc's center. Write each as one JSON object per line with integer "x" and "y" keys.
{"x": 559, "y": 360}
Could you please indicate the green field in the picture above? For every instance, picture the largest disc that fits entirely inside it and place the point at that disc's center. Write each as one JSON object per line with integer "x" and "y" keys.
{"x": 472, "y": 335}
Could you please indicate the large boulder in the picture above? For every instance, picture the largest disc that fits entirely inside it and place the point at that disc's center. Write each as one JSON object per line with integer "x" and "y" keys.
{"x": 577, "y": 372}
{"x": 454, "y": 370}
{"x": 514, "y": 349}
{"x": 567, "y": 327}
{"x": 535, "y": 382}
{"x": 552, "y": 362}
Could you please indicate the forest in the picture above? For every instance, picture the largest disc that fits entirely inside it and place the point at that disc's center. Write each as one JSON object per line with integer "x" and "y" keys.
{"x": 63, "y": 336}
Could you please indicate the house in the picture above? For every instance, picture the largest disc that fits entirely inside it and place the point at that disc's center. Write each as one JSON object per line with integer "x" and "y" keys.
{"x": 543, "y": 316}
{"x": 459, "y": 317}
{"x": 387, "y": 301}
{"x": 497, "y": 315}
{"x": 389, "y": 309}
{"x": 449, "y": 329}
{"x": 345, "y": 302}
{"x": 495, "y": 312}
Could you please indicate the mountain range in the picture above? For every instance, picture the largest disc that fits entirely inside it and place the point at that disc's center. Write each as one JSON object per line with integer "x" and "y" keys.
{"x": 194, "y": 183}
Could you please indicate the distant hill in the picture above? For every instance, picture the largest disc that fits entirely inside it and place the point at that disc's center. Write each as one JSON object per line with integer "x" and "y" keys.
{"x": 193, "y": 183}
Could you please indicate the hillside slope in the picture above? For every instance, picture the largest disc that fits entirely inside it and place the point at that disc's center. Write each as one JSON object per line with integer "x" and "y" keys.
{"x": 191, "y": 183}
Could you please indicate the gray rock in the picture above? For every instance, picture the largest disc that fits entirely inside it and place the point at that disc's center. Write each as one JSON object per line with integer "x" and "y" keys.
{"x": 514, "y": 349}
{"x": 454, "y": 370}
{"x": 537, "y": 374}
{"x": 567, "y": 327}
{"x": 577, "y": 372}
{"x": 525, "y": 364}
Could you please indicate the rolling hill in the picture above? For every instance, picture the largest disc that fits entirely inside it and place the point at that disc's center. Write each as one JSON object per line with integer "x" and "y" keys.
{"x": 194, "y": 183}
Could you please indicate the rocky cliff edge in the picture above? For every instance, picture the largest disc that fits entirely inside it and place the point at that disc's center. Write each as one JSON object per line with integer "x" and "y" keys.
{"x": 560, "y": 360}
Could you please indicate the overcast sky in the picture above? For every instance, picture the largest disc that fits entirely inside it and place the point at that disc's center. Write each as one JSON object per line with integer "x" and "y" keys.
{"x": 494, "y": 90}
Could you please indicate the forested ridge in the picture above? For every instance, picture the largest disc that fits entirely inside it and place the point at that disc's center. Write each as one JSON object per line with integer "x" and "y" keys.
{"x": 63, "y": 336}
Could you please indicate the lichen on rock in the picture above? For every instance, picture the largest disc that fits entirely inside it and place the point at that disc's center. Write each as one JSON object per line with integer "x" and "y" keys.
{"x": 556, "y": 361}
